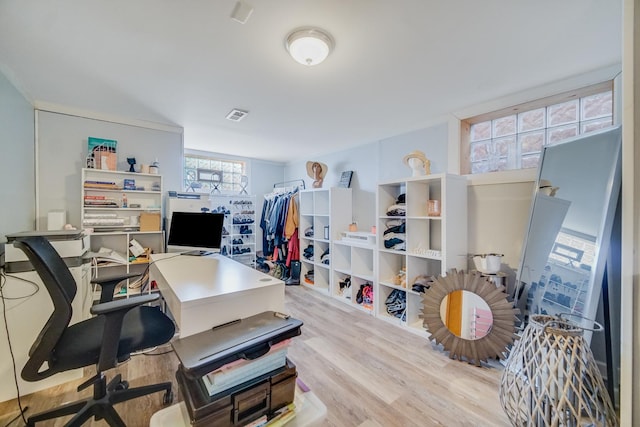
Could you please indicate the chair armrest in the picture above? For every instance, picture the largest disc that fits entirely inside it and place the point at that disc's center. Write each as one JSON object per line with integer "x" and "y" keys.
{"x": 108, "y": 284}
{"x": 125, "y": 304}
{"x": 114, "y": 312}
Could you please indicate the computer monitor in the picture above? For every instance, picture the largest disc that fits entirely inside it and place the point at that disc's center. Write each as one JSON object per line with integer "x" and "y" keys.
{"x": 195, "y": 233}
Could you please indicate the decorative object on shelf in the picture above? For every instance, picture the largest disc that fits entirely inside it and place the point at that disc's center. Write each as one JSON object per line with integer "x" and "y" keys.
{"x": 433, "y": 208}
{"x": 418, "y": 163}
{"x": 488, "y": 263}
{"x": 132, "y": 162}
{"x": 500, "y": 334}
{"x": 547, "y": 188}
{"x": 244, "y": 181}
{"x": 154, "y": 168}
{"x": 345, "y": 179}
{"x": 317, "y": 171}
{"x": 309, "y": 46}
{"x": 551, "y": 377}
{"x": 103, "y": 152}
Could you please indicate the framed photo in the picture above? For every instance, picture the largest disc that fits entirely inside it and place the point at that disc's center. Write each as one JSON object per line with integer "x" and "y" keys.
{"x": 345, "y": 179}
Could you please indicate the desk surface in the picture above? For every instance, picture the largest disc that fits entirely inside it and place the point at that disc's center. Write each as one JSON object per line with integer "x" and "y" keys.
{"x": 195, "y": 279}
{"x": 206, "y": 291}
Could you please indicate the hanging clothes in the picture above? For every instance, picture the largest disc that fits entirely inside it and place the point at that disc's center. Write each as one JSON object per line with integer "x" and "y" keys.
{"x": 279, "y": 221}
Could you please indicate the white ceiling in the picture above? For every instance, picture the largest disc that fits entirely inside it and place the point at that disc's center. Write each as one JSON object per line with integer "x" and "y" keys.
{"x": 397, "y": 65}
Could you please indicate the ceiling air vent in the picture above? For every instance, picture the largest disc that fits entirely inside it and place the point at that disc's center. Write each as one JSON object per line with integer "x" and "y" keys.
{"x": 236, "y": 115}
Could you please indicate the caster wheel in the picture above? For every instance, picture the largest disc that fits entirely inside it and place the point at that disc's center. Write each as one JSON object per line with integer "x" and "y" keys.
{"x": 122, "y": 385}
{"x": 167, "y": 399}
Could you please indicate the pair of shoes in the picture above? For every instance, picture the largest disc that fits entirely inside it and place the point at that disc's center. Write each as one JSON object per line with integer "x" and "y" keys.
{"x": 221, "y": 209}
{"x": 223, "y": 252}
{"x": 237, "y": 242}
{"x": 245, "y": 229}
{"x": 242, "y": 219}
{"x": 365, "y": 294}
{"x": 224, "y": 231}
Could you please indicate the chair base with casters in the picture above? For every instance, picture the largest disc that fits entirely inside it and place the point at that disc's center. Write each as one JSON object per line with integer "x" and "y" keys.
{"x": 117, "y": 329}
{"x": 100, "y": 405}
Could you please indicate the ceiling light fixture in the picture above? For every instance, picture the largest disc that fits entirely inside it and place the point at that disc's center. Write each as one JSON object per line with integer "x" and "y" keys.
{"x": 309, "y": 46}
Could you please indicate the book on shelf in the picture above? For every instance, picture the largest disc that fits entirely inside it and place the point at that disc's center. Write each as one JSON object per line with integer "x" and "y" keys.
{"x": 90, "y": 181}
{"x": 103, "y": 221}
{"x": 129, "y": 184}
{"x": 100, "y": 215}
{"x": 101, "y": 204}
{"x": 101, "y": 186}
{"x": 94, "y": 197}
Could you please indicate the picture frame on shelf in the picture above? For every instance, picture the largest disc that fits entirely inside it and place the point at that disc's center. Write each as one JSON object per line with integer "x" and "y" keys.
{"x": 345, "y": 179}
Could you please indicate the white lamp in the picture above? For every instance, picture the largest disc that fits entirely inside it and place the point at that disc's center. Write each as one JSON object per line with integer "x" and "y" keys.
{"x": 309, "y": 46}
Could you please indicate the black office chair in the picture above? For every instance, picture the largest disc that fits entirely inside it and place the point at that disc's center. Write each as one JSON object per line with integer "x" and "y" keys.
{"x": 118, "y": 328}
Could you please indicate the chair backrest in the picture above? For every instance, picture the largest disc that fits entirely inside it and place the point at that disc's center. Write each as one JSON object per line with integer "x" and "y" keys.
{"x": 61, "y": 287}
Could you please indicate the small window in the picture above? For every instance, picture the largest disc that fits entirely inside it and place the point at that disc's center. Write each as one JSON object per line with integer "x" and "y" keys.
{"x": 206, "y": 174}
{"x": 513, "y": 138}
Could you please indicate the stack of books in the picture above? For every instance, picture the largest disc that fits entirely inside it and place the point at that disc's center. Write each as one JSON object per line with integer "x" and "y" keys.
{"x": 102, "y": 219}
{"x": 101, "y": 185}
{"x": 97, "y": 201}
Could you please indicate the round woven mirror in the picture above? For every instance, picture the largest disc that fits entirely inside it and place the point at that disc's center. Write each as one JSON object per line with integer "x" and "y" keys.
{"x": 494, "y": 339}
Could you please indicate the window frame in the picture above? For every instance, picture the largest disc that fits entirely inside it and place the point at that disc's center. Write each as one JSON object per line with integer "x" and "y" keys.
{"x": 209, "y": 156}
{"x": 528, "y": 174}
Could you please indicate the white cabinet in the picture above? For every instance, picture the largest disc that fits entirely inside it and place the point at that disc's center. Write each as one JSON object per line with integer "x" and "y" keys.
{"x": 324, "y": 214}
{"x": 353, "y": 273}
{"x": 121, "y": 207}
{"x": 414, "y": 244}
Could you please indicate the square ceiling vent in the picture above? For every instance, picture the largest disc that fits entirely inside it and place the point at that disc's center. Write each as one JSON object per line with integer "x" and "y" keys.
{"x": 236, "y": 115}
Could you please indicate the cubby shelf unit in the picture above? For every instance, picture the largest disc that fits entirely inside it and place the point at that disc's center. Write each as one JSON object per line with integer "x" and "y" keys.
{"x": 355, "y": 261}
{"x": 432, "y": 244}
{"x": 328, "y": 212}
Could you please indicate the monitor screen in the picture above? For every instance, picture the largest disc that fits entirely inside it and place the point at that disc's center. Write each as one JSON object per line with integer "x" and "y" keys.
{"x": 195, "y": 231}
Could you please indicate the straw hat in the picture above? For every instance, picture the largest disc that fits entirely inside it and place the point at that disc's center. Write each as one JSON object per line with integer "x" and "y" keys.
{"x": 415, "y": 154}
{"x": 323, "y": 169}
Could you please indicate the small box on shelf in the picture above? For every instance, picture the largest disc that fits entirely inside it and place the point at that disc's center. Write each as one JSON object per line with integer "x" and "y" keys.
{"x": 150, "y": 221}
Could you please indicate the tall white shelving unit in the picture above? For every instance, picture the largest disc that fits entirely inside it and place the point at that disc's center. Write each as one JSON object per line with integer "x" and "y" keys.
{"x": 103, "y": 194}
{"x": 239, "y": 241}
{"x": 329, "y": 212}
{"x": 434, "y": 244}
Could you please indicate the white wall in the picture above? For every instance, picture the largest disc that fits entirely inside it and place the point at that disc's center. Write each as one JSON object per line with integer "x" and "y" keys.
{"x": 374, "y": 163}
{"x": 17, "y": 182}
{"x": 497, "y": 213}
{"x": 62, "y": 151}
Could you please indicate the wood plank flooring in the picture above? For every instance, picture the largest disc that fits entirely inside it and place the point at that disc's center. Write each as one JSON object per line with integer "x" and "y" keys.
{"x": 367, "y": 372}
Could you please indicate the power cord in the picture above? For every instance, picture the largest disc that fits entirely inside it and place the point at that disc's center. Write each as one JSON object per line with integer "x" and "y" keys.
{"x": 3, "y": 280}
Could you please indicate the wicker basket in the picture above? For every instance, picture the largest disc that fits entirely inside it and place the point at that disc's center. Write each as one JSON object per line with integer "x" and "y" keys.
{"x": 551, "y": 378}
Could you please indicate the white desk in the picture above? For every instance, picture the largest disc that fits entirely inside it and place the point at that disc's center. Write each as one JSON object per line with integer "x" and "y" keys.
{"x": 206, "y": 291}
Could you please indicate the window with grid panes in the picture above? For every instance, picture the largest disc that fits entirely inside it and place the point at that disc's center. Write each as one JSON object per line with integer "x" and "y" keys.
{"x": 513, "y": 138}
{"x": 203, "y": 174}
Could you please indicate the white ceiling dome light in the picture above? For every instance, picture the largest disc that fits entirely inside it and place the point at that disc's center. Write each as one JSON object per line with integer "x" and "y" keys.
{"x": 309, "y": 46}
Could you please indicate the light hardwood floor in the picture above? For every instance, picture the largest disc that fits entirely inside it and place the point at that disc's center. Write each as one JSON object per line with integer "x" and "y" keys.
{"x": 367, "y": 372}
